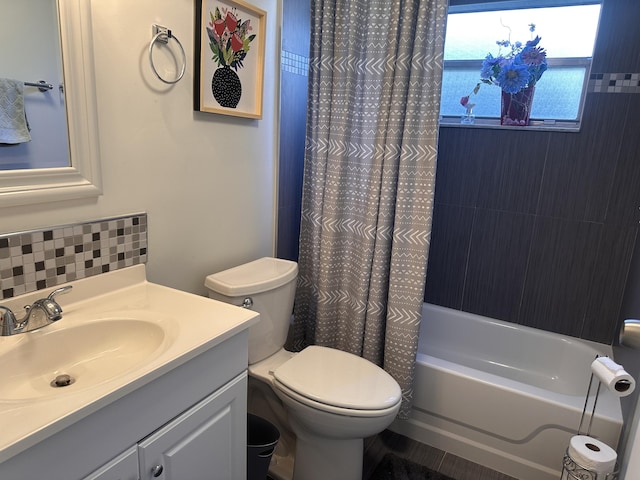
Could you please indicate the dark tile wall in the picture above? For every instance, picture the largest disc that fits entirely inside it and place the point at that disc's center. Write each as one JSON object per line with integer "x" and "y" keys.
{"x": 293, "y": 110}
{"x": 539, "y": 228}
{"x": 41, "y": 259}
{"x": 617, "y": 48}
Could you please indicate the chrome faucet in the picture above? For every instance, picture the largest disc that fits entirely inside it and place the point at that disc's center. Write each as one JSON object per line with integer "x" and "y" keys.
{"x": 43, "y": 312}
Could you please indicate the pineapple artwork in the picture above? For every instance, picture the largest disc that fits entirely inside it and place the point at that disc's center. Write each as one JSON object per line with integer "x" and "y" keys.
{"x": 229, "y": 40}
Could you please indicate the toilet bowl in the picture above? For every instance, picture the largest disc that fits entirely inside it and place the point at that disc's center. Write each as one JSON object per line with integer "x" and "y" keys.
{"x": 330, "y": 400}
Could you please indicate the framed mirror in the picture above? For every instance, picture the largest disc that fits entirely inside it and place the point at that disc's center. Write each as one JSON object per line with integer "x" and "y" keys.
{"x": 82, "y": 177}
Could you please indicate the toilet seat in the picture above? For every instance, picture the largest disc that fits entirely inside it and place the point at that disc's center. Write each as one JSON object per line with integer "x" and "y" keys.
{"x": 339, "y": 382}
{"x": 347, "y": 412}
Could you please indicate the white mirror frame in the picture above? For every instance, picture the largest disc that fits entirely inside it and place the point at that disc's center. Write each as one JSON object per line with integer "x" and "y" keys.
{"x": 83, "y": 178}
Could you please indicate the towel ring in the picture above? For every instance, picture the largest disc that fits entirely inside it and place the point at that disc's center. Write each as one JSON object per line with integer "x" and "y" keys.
{"x": 162, "y": 35}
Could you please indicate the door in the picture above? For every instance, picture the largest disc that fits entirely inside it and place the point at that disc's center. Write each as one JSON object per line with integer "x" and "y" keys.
{"x": 207, "y": 442}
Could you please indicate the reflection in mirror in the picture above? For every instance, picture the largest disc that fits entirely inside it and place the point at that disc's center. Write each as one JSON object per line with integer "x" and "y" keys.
{"x": 51, "y": 50}
{"x": 34, "y": 55}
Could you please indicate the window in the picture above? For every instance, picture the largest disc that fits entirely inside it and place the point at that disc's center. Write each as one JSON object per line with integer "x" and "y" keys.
{"x": 567, "y": 32}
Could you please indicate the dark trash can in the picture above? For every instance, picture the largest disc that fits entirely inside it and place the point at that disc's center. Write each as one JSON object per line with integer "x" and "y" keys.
{"x": 262, "y": 438}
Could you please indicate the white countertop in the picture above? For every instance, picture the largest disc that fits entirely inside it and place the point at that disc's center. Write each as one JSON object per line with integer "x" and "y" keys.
{"x": 191, "y": 324}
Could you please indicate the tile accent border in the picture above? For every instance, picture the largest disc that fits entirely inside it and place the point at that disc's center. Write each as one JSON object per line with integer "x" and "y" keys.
{"x": 294, "y": 63}
{"x": 614, "y": 83}
{"x": 40, "y": 259}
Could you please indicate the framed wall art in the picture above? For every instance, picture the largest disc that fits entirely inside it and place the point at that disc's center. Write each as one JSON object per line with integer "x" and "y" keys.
{"x": 229, "y": 53}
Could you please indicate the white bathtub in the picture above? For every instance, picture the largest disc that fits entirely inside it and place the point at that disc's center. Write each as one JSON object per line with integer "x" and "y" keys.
{"x": 502, "y": 395}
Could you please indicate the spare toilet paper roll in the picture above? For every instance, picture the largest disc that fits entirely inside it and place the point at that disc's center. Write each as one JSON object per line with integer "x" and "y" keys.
{"x": 592, "y": 454}
{"x": 613, "y": 376}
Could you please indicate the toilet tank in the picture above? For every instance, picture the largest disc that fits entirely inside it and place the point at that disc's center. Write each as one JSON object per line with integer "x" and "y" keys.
{"x": 270, "y": 284}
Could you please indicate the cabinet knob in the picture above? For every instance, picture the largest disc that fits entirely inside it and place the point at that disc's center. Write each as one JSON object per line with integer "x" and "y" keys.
{"x": 157, "y": 470}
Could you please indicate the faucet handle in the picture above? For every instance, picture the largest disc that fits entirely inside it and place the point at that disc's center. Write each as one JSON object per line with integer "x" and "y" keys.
{"x": 7, "y": 322}
{"x": 50, "y": 306}
{"x": 630, "y": 333}
{"x": 59, "y": 291}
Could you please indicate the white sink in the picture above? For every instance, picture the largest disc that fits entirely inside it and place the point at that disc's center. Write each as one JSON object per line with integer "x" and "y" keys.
{"x": 89, "y": 353}
{"x": 118, "y": 332}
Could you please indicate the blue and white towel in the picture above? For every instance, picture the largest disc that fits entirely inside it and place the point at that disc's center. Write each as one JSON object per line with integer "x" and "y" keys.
{"x": 13, "y": 120}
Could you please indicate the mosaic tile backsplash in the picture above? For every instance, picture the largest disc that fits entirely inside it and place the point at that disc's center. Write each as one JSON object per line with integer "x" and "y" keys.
{"x": 614, "y": 83}
{"x": 40, "y": 259}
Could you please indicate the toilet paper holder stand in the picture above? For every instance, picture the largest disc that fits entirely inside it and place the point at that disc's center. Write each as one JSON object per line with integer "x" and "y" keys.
{"x": 572, "y": 470}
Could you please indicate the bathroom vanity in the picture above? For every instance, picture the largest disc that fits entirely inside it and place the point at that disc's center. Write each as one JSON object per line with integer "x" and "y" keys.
{"x": 159, "y": 386}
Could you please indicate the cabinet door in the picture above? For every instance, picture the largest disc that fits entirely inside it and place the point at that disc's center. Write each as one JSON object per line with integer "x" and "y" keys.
{"x": 207, "y": 442}
{"x": 123, "y": 467}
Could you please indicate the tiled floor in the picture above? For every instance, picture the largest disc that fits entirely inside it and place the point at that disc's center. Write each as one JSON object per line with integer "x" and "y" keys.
{"x": 446, "y": 463}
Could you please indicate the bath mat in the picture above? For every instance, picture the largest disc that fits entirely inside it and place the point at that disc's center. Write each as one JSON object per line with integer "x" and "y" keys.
{"x": 392, "y": 467}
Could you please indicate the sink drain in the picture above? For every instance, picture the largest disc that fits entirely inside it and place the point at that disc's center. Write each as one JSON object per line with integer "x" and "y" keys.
{"x": 63, "y": 380}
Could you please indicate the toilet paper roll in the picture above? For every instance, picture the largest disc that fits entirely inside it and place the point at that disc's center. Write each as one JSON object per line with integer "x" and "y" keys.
{"x": 592, "y": 454}
{"x": 613, "y": 376}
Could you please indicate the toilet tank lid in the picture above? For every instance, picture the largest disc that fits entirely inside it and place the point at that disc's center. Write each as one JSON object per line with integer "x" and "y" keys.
{"x": 254, "y": 277}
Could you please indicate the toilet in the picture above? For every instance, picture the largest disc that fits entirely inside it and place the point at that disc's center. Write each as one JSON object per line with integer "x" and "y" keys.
{"x": 330, "y": 400}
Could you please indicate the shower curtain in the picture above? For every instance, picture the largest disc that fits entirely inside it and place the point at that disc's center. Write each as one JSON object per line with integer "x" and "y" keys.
{"x": 369, "y": 176}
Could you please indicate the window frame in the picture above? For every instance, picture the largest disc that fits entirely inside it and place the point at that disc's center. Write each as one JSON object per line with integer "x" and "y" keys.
{"x": 466, "y": 6}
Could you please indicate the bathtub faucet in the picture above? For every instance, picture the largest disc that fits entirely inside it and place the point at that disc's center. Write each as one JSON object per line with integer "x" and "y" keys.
{"x": 43, "y": 312}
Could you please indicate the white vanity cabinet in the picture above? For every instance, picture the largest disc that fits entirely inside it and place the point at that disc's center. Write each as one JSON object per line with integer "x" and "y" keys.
{"x": 205, "y": 442}
{"x": 187, "y": 424}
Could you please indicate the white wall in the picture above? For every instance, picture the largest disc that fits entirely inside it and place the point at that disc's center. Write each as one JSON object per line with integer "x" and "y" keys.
{"x": 206, "y": 181}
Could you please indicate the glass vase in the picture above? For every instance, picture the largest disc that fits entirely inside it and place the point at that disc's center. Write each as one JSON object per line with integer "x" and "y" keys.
{"x": 468, "y": 118}
{"x": 516, "y": 107}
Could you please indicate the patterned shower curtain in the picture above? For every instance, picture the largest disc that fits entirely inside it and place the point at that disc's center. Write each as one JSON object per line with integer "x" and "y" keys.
{"x": 369, "y": 176}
